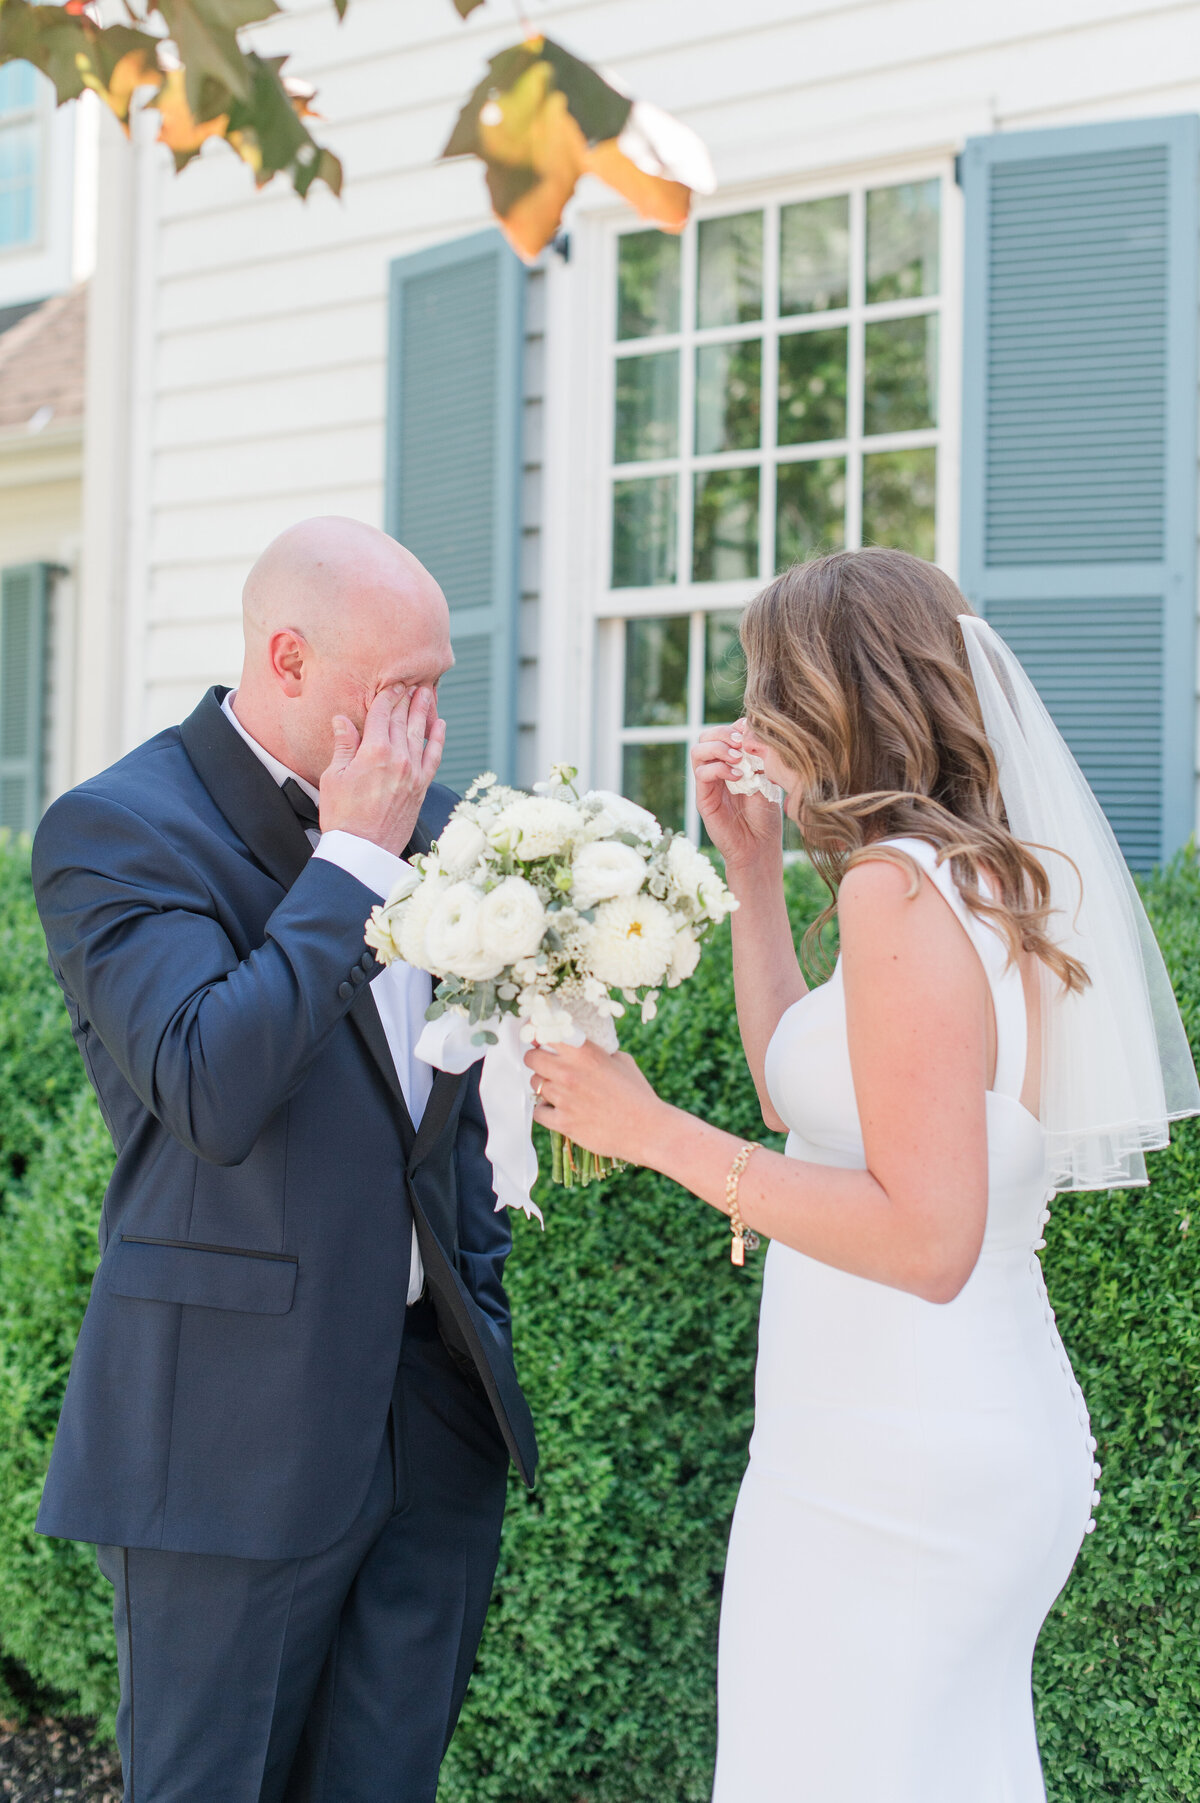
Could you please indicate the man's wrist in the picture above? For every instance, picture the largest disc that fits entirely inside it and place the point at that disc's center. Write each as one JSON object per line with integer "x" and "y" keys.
{"x": 375, "y": 867}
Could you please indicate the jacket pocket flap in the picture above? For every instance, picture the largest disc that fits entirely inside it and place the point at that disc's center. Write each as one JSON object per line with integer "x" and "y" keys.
{"x": 256, "y": 1283}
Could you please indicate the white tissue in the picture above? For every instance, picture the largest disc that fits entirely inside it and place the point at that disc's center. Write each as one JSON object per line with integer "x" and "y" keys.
{"x": 751, "y": 781}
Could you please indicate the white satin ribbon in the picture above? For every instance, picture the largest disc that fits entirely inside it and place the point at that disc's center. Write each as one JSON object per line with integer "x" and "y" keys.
{"x": 504, "y": 1090}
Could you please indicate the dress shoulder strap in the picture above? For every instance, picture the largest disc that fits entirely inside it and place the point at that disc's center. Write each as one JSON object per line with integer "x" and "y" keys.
{"x": 1004, "y": 977}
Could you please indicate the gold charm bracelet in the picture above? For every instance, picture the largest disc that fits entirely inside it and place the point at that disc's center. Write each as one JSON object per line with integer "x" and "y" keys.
{"x": 743, "y": 1239}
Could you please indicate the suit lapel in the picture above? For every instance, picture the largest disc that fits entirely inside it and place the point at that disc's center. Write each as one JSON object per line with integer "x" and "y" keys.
{"x": 245, "y": 791}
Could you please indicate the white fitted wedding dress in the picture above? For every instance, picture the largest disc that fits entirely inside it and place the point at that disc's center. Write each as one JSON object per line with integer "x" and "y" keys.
{"x": 920, "y": 1479}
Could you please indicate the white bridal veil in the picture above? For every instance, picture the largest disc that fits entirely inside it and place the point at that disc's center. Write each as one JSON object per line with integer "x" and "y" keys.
{"x": 1116, "y": 1067}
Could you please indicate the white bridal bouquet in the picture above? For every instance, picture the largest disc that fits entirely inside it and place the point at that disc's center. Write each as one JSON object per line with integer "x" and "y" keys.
{"x": 544, "y": 916}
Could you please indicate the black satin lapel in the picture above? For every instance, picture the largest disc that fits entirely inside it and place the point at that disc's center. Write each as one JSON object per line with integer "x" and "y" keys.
{"x": 443, "y": 1098}
{"x": 245, "y": 791}
{"x": 365, "y": 1016}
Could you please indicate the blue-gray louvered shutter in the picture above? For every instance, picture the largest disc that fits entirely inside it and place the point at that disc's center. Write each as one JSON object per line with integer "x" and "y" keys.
{"x": 23, "y": 592}
{"x": 1080, "y": 445}
{"x": 454, "y": 475}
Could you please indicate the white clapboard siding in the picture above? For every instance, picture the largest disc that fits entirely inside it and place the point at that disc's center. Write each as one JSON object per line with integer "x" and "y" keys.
{"x": 262, "y": 330}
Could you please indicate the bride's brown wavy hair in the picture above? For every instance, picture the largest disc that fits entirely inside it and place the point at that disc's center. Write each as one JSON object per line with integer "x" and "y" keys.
{"x": 857, "y": 676}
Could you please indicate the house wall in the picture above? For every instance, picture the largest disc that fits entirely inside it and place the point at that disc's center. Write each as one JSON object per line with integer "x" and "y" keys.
{"x": 250, "y": 363}
{"x": 40, "y": 514}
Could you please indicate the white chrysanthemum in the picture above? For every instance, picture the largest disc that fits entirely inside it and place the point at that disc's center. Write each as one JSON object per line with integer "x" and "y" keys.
{"x": 412, "y": 917}
{"x": 605, "y": 869}
{"x": 534, "y": 827}
{"x": 685, "y": 955}
{"x": 632, "y": 942}
{"x": 512, "y": 920}
{"x": 612, "y": 813}
{"x": 379, "y": 935}
{"x": 453, "y": 941}
{"x": 460, "y": 847}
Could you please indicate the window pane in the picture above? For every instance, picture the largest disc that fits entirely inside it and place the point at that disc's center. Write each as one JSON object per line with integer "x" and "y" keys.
{"x": 902, "y": 241}
{"x": 647, "y": 407}
{"x": 644, "y": 532}
{"x": 656, "y": 671}
{"x": 17, "y": 90}
{"x": 724, "y": 666}
{"x": 729, "y": 291}
{"x": 814, "y": 255}
{"x": 728, "y": 390}
{"x": 812, "y": 386}
{"x": 18, "y": 152}
{"x": 655, "y": 777}
{"x": 810, "y": 509}
{"x": 901, "y": 378}
{"x": 725, "y": 526}
{"x": 899, "y": 500}
{"x": 16, "y": 215}
{"x": 647, "y": 284}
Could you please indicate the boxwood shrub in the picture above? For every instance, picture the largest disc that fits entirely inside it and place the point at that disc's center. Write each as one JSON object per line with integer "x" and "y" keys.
{"x": 636, "y": 1344}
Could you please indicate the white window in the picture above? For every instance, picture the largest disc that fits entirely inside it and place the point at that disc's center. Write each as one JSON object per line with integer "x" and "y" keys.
{"x": 774, "y": 394}
{"x": 20, "y": 142}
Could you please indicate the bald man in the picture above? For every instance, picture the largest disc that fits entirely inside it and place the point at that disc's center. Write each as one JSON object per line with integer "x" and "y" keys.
{"x": 293, "y": 1403}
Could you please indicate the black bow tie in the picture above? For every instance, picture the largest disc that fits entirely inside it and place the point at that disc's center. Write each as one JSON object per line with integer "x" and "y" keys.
{"x": 302, "y": 804}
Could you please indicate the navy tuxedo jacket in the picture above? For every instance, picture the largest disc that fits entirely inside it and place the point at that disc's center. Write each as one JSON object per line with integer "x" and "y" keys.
{"x": 235, "y": 1367}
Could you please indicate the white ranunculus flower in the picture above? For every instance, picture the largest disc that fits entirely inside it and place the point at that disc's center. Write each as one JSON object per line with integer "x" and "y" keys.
{"x": 614, "y": 813}
{"x": 685, "y": 955}
{"x": 460, "y": 847}
{"x": 692, "y": 875}
{"x": 512, "y": 920}
{"x": 453, "y": 941}
{"x": 413, "y": 917}
{"x": 632, "y": 942}
{"x": 687, "y": 868}
{"x": 534, "y": 827}
{"x": 604, "y": 869}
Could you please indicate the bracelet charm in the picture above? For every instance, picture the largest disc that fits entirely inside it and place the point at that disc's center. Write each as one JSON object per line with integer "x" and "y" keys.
{"x": 744, "y": 1239}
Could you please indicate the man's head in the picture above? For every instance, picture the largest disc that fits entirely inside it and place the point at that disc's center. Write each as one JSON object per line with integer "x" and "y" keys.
{"x": 334, "y": 612}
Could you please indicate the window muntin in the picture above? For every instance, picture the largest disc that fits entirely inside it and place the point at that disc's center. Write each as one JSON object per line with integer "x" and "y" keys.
{"x": 776, "y": 395}
{"x": 20, "y": 137}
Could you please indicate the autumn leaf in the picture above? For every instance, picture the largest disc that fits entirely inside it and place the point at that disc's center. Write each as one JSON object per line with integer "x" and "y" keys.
{"x": 540, "y": 119}
{"x": 75, "y": 53}
{"x": 180, "y": 131}
{"x": 205, "y": 35}
{"x": 268, "y": 132}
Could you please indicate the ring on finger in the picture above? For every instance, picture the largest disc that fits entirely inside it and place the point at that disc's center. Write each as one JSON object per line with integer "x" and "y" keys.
{"x": 538, "y": 1087}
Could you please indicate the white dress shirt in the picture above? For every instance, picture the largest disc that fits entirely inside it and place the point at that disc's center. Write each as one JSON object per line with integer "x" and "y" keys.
{"x": 400, "y": 993}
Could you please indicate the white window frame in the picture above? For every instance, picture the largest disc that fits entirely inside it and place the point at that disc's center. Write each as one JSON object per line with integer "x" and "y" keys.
{"x": 609, "y": 608}
{"x": 43, "y": 266}
{"x": 34, "y": 115}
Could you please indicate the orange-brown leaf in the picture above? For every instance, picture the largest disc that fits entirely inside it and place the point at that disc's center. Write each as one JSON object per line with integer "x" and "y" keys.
{"x": 663, "y": 202}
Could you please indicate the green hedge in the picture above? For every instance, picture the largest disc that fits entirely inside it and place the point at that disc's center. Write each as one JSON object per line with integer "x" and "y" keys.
{"x": 636, "y": 1343}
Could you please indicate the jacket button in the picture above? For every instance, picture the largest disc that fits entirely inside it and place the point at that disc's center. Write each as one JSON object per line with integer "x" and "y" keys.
{"x": 358, "y": 975}
{"x": 368, "y": 962}
{"x": 345, "y": 990}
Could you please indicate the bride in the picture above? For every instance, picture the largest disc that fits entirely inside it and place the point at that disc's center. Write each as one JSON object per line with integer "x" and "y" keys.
{"x": 998, "y": 1027}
